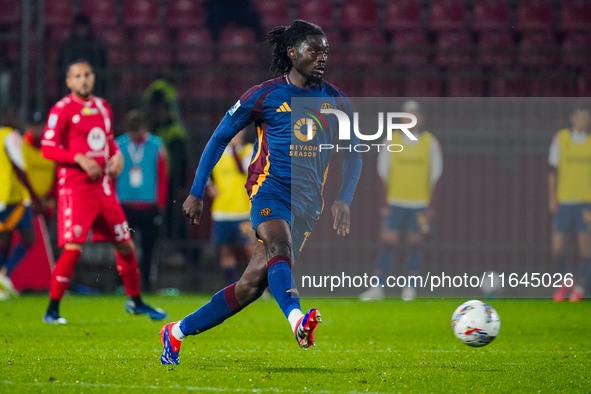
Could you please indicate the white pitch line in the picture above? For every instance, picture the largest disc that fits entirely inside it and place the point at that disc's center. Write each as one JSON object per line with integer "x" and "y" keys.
{"x": 187, "y": 388}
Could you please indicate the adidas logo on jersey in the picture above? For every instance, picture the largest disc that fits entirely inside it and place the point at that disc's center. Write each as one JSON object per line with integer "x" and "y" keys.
{"x": 284, "y": 108}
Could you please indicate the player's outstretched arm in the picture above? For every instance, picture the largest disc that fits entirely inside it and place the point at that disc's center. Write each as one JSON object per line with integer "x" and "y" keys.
{"x": 192, "y": 208}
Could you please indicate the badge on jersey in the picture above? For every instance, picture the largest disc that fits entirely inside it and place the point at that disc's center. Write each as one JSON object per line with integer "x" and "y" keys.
{"x": 235, "y": 107}
{"x": 136, "y": 177}
{"x": 52, "y": 121}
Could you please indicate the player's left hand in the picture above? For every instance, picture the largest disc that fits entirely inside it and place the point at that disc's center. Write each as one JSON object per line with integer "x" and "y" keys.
{"x": 342, "y": 217}
{"x": 115, "y": 165}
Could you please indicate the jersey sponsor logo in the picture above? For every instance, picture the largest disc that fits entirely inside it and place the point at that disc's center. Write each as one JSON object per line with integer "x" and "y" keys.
{"x": 265, "y": 211}
{"x": 52, "y": 121}
{"x": 284, "y": 108}
{"x": 235, "y": 107}
{"x": 96, "y": 139}
{"x": 86, "y": 111}
{"x": 76, "y": 118}
{"x": 49, "y": 134}
{"x": 304, "y": 129}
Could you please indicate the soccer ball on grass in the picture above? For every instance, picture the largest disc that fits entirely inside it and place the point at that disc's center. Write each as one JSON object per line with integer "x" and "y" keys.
{"x": 476, "y": 323}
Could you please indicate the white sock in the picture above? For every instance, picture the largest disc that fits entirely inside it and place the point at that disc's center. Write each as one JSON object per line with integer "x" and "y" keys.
{"x": 176, "y": 332}
{"x": 294, "y": 317}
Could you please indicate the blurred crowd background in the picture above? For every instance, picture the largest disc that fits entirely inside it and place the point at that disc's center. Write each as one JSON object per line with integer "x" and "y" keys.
{"x": 184, "y": 62}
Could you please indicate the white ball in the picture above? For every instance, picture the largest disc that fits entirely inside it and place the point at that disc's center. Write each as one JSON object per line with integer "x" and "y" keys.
{"x": 476, "y": 323}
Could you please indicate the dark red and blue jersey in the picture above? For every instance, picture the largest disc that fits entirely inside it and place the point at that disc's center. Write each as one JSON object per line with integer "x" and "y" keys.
{"x": 287, "y": 162}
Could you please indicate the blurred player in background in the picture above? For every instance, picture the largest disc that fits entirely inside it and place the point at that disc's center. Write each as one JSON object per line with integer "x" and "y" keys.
{"x": 16, "y": 195}
{"x": 411, "y": 178}
{"x": 142, "y": 186}
{"x": 285, "y": 191}
{"x": 230, "y": 210}
{"x": 41, "y": 171}
{"x": 569, "y": 197}
{"x": 79, "y": 138}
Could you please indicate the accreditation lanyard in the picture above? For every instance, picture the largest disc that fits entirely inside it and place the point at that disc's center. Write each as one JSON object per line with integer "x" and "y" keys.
{"x": 136, "y": 153}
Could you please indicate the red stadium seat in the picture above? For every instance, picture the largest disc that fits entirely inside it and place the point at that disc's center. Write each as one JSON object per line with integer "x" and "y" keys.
{"x": 152, "y": 48}
{"x": 409, "y": 49}
{"x": 58, "y": 13}
{"x": 454, "y": 49}
{"x": 238, "y": 47}
{"x": 496, "y": 49}
{"x": 194, "y": 47}
{"x": 57, "y": 36}
{"x": 576, "y": 50}
{"x": 140, "y": 13}
{"x": 273, "y": 13}
{"x": 207, "y": 86}
{"x": 538, "y": 49}
{"x": 576, "y": 16}
{"x": 11, "y": 12}
{"x": 378, "y": 86}
{"x": 468, "y": 85}
{"x": 101, "y": 13}
{"x": 184, "y": 13}
{"x": 447, "y": 15}
{"x": 359, "y": 15}
{"x": 367, "y": 47}
{"x": 402, "y": 15}
{"x": 422, "y": 83}
{"x": 534, "y": 15}
{"x": 319, "y": 12}
{"x": 584, "y": 86}
{"x": 116, "y": 43}
{"x": 551, "y": 86}
{"x": 490, "y": 15}
{"x": 336, "y": 51}
{"x": 509, "y": 85}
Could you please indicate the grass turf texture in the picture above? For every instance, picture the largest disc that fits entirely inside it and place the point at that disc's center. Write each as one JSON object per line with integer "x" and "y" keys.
{"x": 387, "y": 346}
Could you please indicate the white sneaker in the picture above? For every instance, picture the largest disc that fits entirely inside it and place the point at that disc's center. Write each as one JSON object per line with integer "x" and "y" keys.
{"x": 373, "y": 293}
{"x": 7, "y": 286}
{"x": 409, "y": 293}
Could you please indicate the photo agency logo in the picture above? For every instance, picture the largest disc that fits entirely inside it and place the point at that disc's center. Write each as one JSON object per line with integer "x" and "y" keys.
{"x": 352, "y": 138}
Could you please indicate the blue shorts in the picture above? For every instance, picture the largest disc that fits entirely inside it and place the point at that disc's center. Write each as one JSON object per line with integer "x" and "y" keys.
{"x": 573, "y": 217}
{"x": 408, "y": 219}
{"x": 230, "y": 232}
{"x": 265, "y": 208}
{"x": 16, "y": 216}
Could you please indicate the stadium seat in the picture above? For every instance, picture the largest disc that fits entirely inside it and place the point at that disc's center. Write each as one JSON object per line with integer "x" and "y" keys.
{"x": 465, "y": 85}
{"x": 538, "y": 49}
{"x": 57, "y": 37}
{"x": 117, "y": 45}
{"x": 319, "y": 12}
{"x": 58, "y": 13}
{"x": 273, "y": 13}
{"x": 140, "y": 13}
{"x": 101, "y": 13}
{"x": 490, "y": 15}
{"x": 184, "y": 13}
{"x": 367, "y": 47}
{"x": 422, "y": 83}
{"x": 551, "y": 86}
{"x": 409, "y": 49}
{"x": 509, "y": 84}
{"x": 359, "y": 15}
{"x": 237, "y": 47}
{"x": 576, "y": 50}
{"x": 454, "y": 49}
{"x": 152, "y": 48}
{"x": 336, "y": 51}
{"x": 575, "y": 16}
{"x": 584, "y": 86}
{"x": 11, "y": 12}
{"x": 447, "y": 15}
{"x": 402, "y": 15}
{"x": 534, "y": 15}
{"x": 378, "y": 86}
{"x": 194, "y": 47}
{"x": 496, "y": 49}
{"x": 207, "y": 86}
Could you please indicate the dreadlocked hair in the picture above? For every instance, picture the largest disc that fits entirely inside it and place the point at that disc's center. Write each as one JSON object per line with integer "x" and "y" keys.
{"x": 283, "y": 37}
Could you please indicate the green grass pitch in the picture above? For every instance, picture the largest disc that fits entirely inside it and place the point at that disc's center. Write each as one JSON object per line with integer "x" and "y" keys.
{"x": 381, "y": 347}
